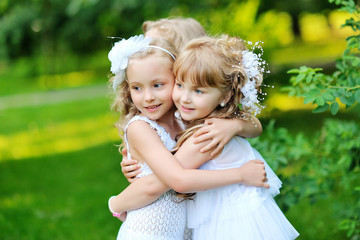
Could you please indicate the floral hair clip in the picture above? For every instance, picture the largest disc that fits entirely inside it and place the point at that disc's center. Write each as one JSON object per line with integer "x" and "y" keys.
{"x": 254, "y": 67}
{"x": 120, "y": 53}
{"x": 122, "y": 50}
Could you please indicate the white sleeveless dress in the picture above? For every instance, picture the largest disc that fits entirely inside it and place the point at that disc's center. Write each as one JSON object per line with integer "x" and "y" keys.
{"x": 238, "y": 211}
{"x": 163, "y": 219}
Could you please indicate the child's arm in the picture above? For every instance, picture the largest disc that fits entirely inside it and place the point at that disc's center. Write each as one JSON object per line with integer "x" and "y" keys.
{"x": 138, "y": 194}
{"x": 130, "y": 168}
{"x": 144, "y": 190}
{"x": 220, "y": 131}
{"x": 148, "y": 189}
{"x": 171, "y": 173}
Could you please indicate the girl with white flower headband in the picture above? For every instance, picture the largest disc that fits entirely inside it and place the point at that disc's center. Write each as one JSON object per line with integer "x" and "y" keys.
{"x": 178, "y": 31}
{"x": 143, "y": 83}
{"x": 220, "y": 77}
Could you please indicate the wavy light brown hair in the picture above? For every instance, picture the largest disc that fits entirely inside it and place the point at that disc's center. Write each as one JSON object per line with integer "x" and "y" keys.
{"x": 215, "y": 62}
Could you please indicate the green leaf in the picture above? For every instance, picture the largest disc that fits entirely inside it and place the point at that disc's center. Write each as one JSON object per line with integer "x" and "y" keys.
{"x": 334, "y": 108}
{"x": 309, "y": 78}
{"x": 303, "y": 69}
{"x": 351, "y": 100}
{"x": 356, "y": 62}
{"x": 340, "y": 66}
{"x": 319, "y": 101}
{"x": 294, "y": 70}
{"x": 328, "y": 96}
{"x": 320, "y": 109}
{"x": 300, "y": 77}
{"x": 317, "y": 69}
{"x": 341, "y": 91}
{"x": 314, "y": 92}
{"x": 309, "y": 99}
{"x": 348, "y": 101}
{"x": 357, "y": 95}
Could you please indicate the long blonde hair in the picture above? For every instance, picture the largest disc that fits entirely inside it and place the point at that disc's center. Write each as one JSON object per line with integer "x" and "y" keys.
{"x": 122, "y": 102}
{"x": 176, "y": 30}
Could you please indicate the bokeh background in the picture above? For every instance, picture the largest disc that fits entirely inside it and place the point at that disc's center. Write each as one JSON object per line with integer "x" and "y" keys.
{"x": 59, "y": 160}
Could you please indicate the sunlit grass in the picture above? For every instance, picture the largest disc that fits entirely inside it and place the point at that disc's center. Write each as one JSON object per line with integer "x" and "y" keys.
{"x": 16, "y": 199}
{"x": 71, "y": 79}
{"x": 39, "y": 73}
{"x": 58, "y": 138}
{"x": 61, "y": 196}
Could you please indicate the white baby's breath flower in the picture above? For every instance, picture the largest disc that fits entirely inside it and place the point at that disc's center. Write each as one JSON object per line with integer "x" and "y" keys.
{"x": 251, "y": 64}
{"x": 254, "y": 68}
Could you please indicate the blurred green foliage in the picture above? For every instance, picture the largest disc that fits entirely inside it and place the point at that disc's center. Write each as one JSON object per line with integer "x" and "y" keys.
{"x": 51, "y": 27}
{"x": 323, "y": 166}
{"x": 343, "y": 85}
{"x": 337, "y": 147}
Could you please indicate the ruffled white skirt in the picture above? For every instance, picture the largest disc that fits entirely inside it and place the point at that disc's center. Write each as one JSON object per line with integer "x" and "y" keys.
{"x": 239, "y": 212}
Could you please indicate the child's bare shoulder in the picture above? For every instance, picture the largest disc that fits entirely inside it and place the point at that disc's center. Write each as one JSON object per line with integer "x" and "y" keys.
{"x": 141, "y": 132}
{"x": 136, "y": 127}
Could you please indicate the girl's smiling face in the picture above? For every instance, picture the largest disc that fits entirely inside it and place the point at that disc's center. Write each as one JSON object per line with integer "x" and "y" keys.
{"x": 151, "y": 82}
{"x": 194, "y": 102}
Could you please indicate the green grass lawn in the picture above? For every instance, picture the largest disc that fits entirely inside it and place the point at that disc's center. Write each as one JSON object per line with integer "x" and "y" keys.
{"x": 63, "y": 196}
{"x": 58, "y": 167}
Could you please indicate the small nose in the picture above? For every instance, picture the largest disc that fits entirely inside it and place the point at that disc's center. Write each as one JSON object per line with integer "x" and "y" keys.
{"x": 185, "y": 97}
{"x": 149, "y": 96}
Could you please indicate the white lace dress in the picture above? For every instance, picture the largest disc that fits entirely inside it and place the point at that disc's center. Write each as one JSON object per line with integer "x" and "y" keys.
{"x": 165, "y": 218}
{"x": 238, "y": 211}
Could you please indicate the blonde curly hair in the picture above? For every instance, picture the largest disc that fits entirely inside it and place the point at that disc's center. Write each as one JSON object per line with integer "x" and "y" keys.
{"x": 122, "y": 102}
{"x": 176, "y": 30}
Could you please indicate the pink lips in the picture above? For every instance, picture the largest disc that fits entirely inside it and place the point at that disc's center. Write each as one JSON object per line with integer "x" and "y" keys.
{"x": 152, "y": 108}
{"x": 185, "y": 109}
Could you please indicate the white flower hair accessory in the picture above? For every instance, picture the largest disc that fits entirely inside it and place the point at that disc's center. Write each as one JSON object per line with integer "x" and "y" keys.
{"x": 122, "y": 50}
{"x": 120, "y": 53}
{"x": 254, "y": 67}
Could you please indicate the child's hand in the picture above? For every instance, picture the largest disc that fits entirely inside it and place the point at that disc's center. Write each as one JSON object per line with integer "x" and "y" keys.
{"x": 122, "y": 216}
{"x": 130, "y": 168}
{"x": 219, "y": 131}
{"x": 254, "y": 174}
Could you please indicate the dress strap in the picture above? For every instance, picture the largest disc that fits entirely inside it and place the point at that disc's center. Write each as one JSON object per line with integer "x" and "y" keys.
{"x": 163, "y": 134}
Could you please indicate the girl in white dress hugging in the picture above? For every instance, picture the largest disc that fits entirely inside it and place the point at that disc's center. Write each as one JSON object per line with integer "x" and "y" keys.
{"x": 219, "y": 77}
{"x": 143, "y": 84}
